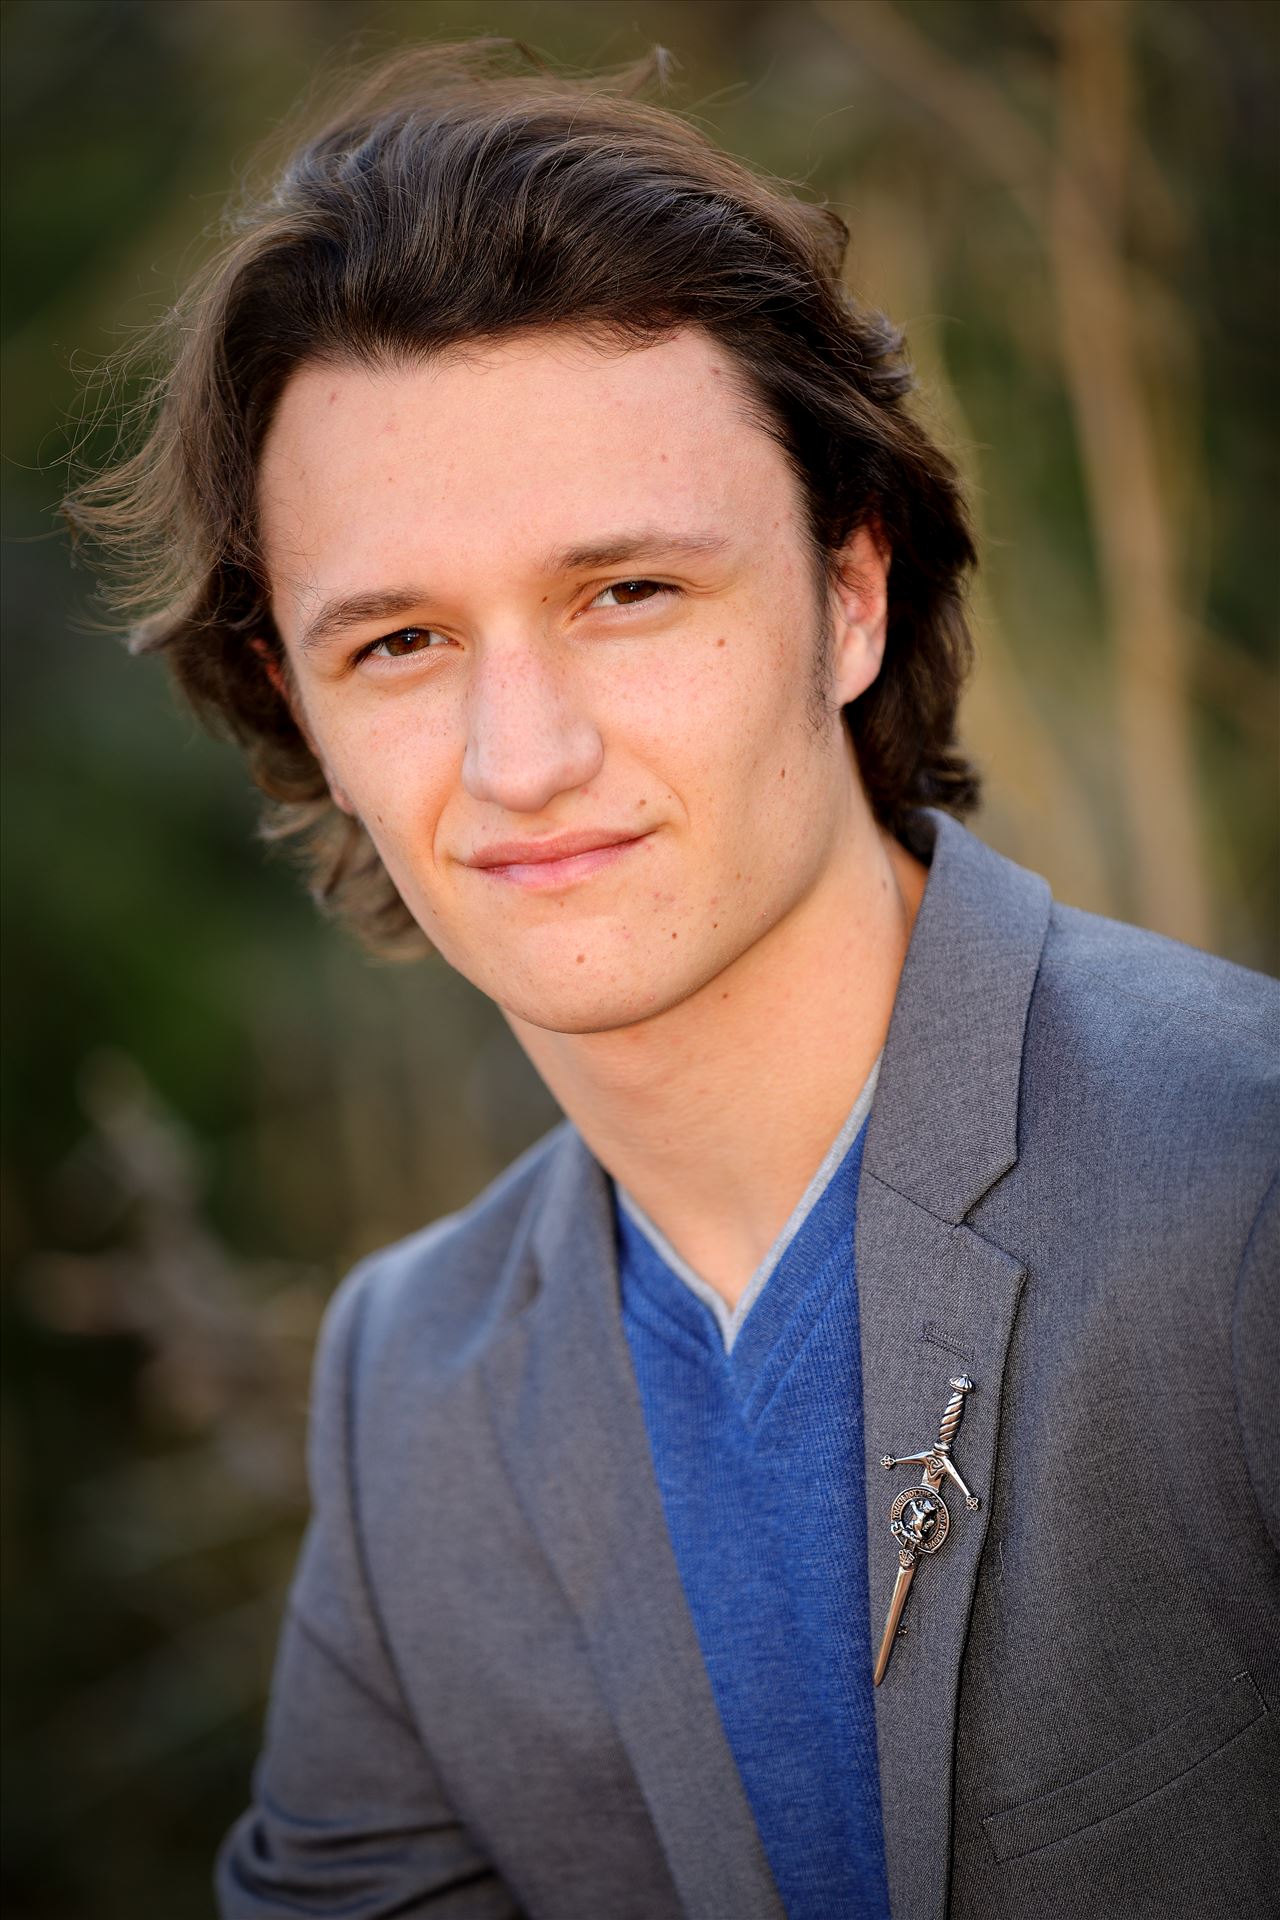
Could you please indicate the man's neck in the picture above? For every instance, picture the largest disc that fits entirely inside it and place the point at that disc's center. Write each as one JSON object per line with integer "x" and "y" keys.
{"x": 715, "y": 1115}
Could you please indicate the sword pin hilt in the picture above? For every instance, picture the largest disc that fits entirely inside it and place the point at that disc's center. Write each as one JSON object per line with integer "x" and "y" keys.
{"x": 953, "y": 1413}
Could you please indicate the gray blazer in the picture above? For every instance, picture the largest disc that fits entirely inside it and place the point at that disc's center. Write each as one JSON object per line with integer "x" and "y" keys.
{"x": 489, "y": 1698}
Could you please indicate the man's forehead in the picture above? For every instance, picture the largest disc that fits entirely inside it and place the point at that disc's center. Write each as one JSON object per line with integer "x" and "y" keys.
{"x": 540, "y": 446}
{"x": 540, "y": 380}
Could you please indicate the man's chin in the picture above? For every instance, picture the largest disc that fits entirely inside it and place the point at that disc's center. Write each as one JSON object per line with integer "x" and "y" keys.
{"x": 582, "y": 1014}
{"x": 582, "y": 989}
{"x": 582, "y": 1006}
{"x": 553, "y": 992}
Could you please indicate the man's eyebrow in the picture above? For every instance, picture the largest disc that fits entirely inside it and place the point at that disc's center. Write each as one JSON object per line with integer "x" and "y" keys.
{"x": 337, "y": 616}
{"x": 617, "y": 549}
{"x": 356, "y": 609}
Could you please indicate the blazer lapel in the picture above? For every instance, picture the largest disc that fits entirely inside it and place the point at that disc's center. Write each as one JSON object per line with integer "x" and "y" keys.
{"x": 572, "y": 1432}
{"x": 936, "y": 1300}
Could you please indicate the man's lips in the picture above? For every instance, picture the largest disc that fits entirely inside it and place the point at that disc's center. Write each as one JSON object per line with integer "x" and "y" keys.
{"x": 556, "y": 861}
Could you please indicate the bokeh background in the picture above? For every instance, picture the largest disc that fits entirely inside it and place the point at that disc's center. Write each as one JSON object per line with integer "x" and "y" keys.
{"x": 212, "y": 1103}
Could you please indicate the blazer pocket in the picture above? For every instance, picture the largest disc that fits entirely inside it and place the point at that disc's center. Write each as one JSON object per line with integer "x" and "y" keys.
{"x": 1156, "y": 1763}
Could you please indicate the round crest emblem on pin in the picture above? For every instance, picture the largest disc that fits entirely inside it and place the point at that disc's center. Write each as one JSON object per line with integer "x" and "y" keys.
{"x": 918, "y": 1519}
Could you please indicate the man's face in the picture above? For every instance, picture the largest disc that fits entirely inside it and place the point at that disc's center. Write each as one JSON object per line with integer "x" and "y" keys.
{"x": 549, "y": 598}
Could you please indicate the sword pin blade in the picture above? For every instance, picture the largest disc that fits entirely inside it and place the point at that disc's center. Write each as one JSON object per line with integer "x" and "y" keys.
{"x": 901, "y": 1586}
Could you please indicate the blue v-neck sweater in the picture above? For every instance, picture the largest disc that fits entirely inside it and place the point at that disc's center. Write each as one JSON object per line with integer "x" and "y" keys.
{"x": 757, "y": 1449}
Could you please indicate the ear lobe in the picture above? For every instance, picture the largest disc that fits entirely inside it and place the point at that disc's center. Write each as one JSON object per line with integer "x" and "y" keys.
{"x": 274, "y": 669}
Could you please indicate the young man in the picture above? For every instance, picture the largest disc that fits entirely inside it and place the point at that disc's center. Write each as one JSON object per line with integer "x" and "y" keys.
{"x": 835, "y": 1473}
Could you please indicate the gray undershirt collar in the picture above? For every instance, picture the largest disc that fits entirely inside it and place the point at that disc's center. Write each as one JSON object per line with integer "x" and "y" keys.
{"x": 730, "y": 1319}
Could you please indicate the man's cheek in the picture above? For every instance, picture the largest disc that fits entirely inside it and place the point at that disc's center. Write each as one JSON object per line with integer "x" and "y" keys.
{"x": 395, "y": 780}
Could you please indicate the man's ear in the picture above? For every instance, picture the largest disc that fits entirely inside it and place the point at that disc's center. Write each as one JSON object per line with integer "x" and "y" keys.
{"x": 277, "y": 673}
{"x": 274, "y": 670}
{"x": 860, "y": 613}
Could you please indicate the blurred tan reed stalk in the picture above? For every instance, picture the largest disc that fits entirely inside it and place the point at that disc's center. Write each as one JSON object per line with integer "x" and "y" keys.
{"x": 1074, "y": 196}
{"x": 1029, "y": 773}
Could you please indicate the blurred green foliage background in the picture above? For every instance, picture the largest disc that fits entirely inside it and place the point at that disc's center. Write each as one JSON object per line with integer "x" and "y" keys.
{"x": 211, "y": 1102}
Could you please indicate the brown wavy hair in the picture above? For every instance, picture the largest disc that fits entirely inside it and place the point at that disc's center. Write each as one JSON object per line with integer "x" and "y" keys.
{"x": 460, "y": 194}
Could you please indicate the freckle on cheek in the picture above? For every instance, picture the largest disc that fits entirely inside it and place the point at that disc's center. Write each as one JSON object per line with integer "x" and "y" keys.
{"x": 720, "y": 641}
{"x": 581, "y": 958}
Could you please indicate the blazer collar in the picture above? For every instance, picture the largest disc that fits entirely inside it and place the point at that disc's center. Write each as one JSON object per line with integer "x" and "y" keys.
{"x": 944, "y": 1124}
{"x": 944, "y": 1127}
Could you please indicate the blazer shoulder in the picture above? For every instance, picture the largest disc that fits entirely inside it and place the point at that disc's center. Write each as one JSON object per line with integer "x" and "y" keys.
{"x": 433, "y": 1300}
{"x": 1198, "y": 991}
{"x": 1136, "y": 1029}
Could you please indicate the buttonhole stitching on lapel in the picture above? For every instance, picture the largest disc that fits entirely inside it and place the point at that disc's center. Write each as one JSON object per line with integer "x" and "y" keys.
{"x": 937, "y": 1337}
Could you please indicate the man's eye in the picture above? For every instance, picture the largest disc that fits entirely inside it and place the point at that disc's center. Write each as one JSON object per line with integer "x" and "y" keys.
{"x": 629, "y": 593}
{"x": 397, "y": 646}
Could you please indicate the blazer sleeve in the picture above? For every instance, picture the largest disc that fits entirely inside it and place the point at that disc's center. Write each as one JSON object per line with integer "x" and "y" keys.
{"x": 348, "y": 1816}
{"x": 1255, "y": 1340}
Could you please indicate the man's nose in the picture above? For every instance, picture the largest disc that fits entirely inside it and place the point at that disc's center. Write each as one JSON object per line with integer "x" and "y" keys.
{"x": 528, "y": 739}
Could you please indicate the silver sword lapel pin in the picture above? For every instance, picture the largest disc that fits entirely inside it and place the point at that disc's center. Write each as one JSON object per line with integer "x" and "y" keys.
{"x": 918, "y": 1519}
